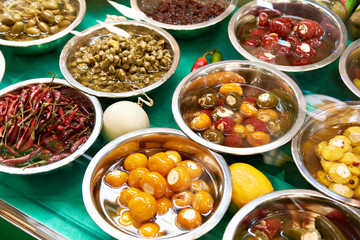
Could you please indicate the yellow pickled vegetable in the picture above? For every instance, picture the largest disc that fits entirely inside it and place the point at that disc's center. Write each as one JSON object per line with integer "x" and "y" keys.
{"x": 319, "y": 148}
{"x": 356, "y": 151}
{"x": 323, "y": 178}
{"x": 353, "y": 183}
{"x": 332, "y": 153}
{"x": 342, "y": 142}
{"x": 326, "y": 165}
{"x": 349, "y": 158}
{"x": 341, "y": 189}
{"x": 340, "y": 173}
{"x": 353, "y": 134}
{"x": 355, "y": 170}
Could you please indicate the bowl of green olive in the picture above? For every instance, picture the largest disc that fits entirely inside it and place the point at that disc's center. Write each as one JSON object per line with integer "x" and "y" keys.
{"x": 239, "y": 107}
{"x": 156, "y": 183}
{"x": 34, "y": 27}
{"x": 113, "y": 64}
{"x": 327, "y": 153}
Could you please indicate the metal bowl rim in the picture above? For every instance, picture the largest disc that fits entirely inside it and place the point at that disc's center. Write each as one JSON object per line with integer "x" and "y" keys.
{"x": 241, "y": 151}
{"x": 197, "y": 26}
{"x": 343, "y": 67}
{"x": 289, "y": 193}
{"x": 295, "y": 150}
{"x": 2, "y": 66}
{"x": 114, "y": 232}
{"x": 332, "y": 57}
{"x": 68, "y": 47}
{"x": 94, "y": 134}
{"x": 74, "y": 24}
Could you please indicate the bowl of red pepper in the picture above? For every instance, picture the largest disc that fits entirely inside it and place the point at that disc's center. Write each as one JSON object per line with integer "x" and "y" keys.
{"x": 185, "y": 18}
{"x": 291, "y": 35}
{"x": 239, "y": 107}
{"x": 294, "y": 214}
{"x": 45, "y": 124}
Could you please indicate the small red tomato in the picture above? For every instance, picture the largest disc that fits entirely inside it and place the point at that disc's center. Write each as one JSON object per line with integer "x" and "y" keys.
{"x": 319, "y": 31}
{"x": 207, "y": 112}
{"x": 249, "y": 100}
{"x": 302, "y": 62}
{"x": 293, "y": 40}
{"x": 304, "y": 50}
{"x": 306, "y": 28}
{"x": 280, "y": 26}
{"x": 257, "y": 32}
{"x": 221, "y": 102}
{"x": 266, "y": 56}
{"x": 269, "y": 42}
{"x": 233, "y": 140}
{"x": 257, "y": 124}
{"x": 263, "y": 20}
{"x": 225, "y": 125}
{"x": 313, "y": 42}
{"x": 252, "y": 42}
{"x": 283, "y": 49}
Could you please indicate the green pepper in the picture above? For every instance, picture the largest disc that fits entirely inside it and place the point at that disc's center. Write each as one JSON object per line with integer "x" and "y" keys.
{"x": 297, "y": 233}
{"x": 327, "y": 229}
{"x": 216, "y": 56}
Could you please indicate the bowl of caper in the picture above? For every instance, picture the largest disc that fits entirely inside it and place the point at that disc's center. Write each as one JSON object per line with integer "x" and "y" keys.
{"x": 239, "y": 107}
{"x": 120, "y": 59}
{"x": 34, "y": 27}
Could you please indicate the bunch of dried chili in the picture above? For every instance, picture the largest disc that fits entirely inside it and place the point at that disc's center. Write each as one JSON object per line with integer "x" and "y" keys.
{"x": 39, "y": 124}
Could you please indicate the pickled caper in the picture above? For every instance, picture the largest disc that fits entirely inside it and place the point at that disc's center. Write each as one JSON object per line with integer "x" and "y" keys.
{"x": 267, "y": 100}
{"x": 214, "y": 136}
{"x": 232, "y": 100}
{"x": 220, "y": 112}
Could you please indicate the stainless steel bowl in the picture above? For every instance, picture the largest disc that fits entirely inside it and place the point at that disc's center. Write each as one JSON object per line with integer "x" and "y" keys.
{"x": 331, "y": 23}
{"x": 91, "y": 103}
{"x": 335, "y": 113}
{"x": 2, "y": 66}
{"x": 137, "y": 27}
{"x": 278, "y": 202}
{"x": 156, "y": 139}
{"x": 45, "y": 44}
{"x": 257, "y": 74}
{"x": 348, "y": 60}
{"x": 184, "y": 31}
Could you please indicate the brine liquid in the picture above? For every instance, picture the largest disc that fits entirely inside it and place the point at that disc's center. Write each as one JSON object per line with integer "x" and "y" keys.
{"x": 108, "y": 199}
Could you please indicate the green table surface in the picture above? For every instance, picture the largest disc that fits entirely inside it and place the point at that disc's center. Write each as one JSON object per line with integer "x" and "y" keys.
{"x": 55, "y": 198}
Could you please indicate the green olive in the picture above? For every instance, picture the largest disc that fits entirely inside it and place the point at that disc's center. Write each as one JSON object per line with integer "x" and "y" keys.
{"x": 274, "y": 127}
{"x": 208, "y": 100}
{"x": 214, "y": 136}
{"x": 232, "y": 100}
{"x": 267, "y": 100}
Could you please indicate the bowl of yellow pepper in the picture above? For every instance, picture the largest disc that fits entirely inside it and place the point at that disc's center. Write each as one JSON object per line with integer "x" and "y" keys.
{"x": 327, "y": 151}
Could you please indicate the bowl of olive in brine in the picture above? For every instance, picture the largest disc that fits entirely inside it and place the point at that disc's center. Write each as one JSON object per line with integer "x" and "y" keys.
{"x": 184, "y": 18}
{"x": 239, "y": 107}
{"x": 34, "y": 27}
{"x": 103, "y": 63}
{"x": 156, "y": 183}
{"x": 327, "y": 153}
{"x": 294, "y": 214}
